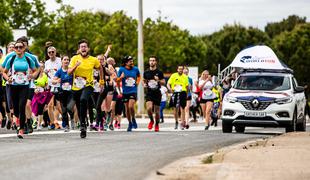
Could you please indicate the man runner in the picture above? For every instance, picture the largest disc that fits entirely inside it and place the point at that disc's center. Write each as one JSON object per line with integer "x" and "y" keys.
{"x": 153, "y": 78}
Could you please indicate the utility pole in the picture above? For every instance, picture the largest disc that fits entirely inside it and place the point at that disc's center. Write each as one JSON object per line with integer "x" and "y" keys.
{"x": 140, "y": 58}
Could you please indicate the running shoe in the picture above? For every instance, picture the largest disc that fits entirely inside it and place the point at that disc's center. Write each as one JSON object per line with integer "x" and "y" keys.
{"x": 105, "y": 127}
{"x": 39, "y": 127}
{"x": 20, "y": 134}
{"x": 96, "y": 128}
{"x": 111, "y": 127}
{"x": 51, "y": 127}
{"x": 118, "y": 125}
{"x": 176, "y": 125}
{"x": 3, "y": 122}
{"x": 207, "y": 127}
{"x": 29, "y": 124}
{"x": 34, "y": 124}
{"x": 187, "y": 126}
{"x": 162, "y": 121}
{"x": 101, "y": 127}
{"x": 150, "y": 126}
{"x": 129, "y": 127}
{"x": 63, "y": 124}
{"x": 83, "y": 132}
{"x": 8, "y": 125}
{"x": 156, "y": 127}
{"x": 67, "y": 129}
{"x": 91, "y": 127}
{"x": 134, "y": 124}
{"x": 26, "y": 131}
{"x": 115, "y": 124}
{"x": 72, "y": 123}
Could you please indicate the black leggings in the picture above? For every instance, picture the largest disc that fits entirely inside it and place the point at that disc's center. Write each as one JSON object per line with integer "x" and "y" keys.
{"x": 102, "y": 96}
{"x": 19, "y": 97}
{"x": 91, "y": 104}
{"x": 67, "y": 103}
{"x": 81, "y": 98}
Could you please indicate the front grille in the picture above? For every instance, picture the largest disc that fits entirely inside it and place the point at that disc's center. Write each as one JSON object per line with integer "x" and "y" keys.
{"x": 261, "y": 106}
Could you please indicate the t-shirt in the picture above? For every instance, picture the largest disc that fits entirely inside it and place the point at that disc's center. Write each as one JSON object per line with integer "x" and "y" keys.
{"x": 178, "y": 82}
{"x": 149, "y": 77}
{"x": 41, "y": 81}
{"x": 20, "y": 70}
{"x": 51, "y": 67}
{"x": 66, "y": 79}
{"x": 29, "y": 55}
{"x": 83, "y": 74}
{"x": 163, "y": 91}
{"x": 129, "y": 82}
{"x": 207, "y": 92}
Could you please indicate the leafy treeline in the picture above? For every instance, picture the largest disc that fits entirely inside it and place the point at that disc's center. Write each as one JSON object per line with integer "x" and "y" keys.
{"x": 289, "y": 38}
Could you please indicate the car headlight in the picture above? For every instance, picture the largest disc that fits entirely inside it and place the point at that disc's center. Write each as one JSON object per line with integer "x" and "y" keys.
{"x": 284, "y": 100}
{"x": 230, "y": 99}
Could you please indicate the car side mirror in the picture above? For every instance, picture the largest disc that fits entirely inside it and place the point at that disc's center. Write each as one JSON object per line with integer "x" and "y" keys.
{"x": 299, "y": 89}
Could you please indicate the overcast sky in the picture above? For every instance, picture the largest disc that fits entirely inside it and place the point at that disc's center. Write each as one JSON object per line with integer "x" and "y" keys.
{"x": 201, "y": 16}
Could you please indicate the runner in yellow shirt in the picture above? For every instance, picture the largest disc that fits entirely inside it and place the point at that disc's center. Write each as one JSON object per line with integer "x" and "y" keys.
{"x": 178, "y": 84}
{"x": 82, "y": 66}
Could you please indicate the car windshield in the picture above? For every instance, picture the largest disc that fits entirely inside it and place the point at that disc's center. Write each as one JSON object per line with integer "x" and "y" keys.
{"x": 267, "y": 83}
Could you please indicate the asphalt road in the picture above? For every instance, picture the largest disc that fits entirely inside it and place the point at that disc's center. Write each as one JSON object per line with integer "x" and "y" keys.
{"x": 111, "y": 154}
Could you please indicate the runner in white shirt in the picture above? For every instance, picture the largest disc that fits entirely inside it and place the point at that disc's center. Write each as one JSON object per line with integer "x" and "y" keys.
{"x": 207, "y": 97}
{"x": 51, "y": 67}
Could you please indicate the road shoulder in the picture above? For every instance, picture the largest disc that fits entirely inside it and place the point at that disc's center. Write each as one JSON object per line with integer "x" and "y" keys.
{"x": 282, "y": 157}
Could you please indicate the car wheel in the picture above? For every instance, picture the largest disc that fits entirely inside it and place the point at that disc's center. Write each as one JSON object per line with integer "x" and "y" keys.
{"x": 302, "y": 126}
{"x": 239, "y": 129}
{"x": 226, "y": 127}
{"x": 292, "y": 126}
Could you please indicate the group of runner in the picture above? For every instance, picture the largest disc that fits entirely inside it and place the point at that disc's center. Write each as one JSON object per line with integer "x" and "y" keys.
{"x": 88, "y": 91}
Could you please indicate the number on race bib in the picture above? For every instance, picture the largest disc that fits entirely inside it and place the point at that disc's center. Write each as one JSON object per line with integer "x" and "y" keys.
{"x": 79, "y": 82}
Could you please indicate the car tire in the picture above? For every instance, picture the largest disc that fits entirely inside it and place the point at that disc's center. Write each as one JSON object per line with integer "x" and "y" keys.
{"x": 226, "y": 127}
{"x": 239, "y": 129}
{"x": 302, "y": 126}
{"x": 292, "y": 126}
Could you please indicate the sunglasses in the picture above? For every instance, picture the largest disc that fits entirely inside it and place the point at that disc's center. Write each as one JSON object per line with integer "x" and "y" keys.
{"x": 51, "y": 52}
{"x": 19, "y": 47}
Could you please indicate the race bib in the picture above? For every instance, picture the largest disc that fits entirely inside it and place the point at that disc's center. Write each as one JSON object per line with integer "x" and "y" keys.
{"x": 177, "y": 88}
{"x": 153, "y": 84}
{"x": 51, "y": 73}
{"x": 79, "y": 82}
{"x": 66, "y": 86}
{"x": 20, "y": 78}
{"x": 96, "y": 86}
{"x": 39, "y": 89}
{"x": 96, "y": 73}
{"x": 130, "y": 82}
{"x": 207, "y": 94}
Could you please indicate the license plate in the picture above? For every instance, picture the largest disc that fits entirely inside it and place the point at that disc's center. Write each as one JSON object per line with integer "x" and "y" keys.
{"x": 254, "y": 114}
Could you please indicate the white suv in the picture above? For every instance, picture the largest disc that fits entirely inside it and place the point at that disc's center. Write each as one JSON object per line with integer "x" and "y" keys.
{"x": 264, "y": 99}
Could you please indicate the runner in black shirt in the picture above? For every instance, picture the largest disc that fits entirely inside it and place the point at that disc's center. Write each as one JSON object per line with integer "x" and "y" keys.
{"x": 153, "y": 78}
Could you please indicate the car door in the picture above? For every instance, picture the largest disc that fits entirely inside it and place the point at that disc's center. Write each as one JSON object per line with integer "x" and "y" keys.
{"x": 300, "y": 100}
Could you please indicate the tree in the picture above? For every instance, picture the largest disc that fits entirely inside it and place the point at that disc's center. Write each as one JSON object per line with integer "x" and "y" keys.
{"x": 232, "y": 39}
{"x": 6, "y": 33}
{"x": 273, "y": 29}
{"x": 293, "y": 48}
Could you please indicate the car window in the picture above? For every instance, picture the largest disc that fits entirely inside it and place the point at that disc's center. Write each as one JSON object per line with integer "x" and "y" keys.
{"x": 268, "y": 83}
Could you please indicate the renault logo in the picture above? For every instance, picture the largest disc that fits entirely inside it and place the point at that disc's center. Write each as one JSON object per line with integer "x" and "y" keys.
{"x": 255, "y": 103}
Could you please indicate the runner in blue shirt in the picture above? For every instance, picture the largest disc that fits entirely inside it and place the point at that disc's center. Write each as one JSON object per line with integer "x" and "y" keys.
{"x": 65, "y": 94}
{"x": 130, "y": 77}
{"x": 21, "y": 72}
